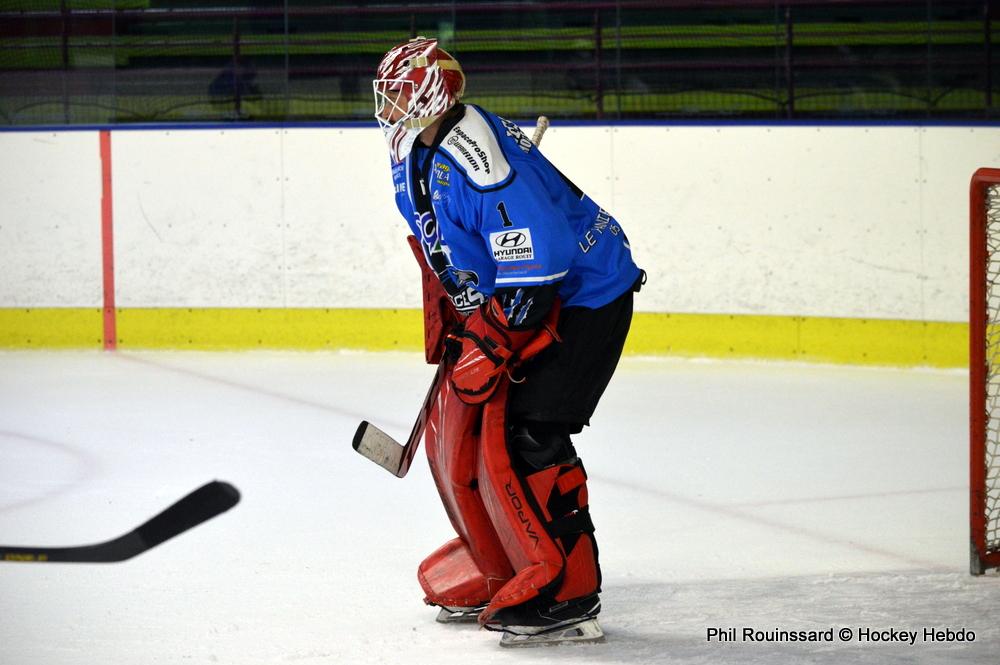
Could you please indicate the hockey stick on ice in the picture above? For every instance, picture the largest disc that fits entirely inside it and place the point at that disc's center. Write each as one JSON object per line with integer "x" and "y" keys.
{"x": 199, "y": 506}
{"x": 381, "y": 448}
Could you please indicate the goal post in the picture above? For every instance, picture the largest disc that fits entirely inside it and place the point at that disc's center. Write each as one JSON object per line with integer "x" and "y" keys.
{"x": 984, "y": 369}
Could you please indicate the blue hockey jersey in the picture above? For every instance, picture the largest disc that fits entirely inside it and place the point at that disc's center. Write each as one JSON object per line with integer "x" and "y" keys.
{"x": 492, "y": 213}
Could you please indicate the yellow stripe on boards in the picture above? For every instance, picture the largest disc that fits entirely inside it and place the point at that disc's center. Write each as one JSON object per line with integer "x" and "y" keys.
{"x": 713, "y": 335}
{"x": 304, "y": 329}
{"x": 811, "y": 339}
{"x": 52, "y": 328}
{"x": 885, "y": 342}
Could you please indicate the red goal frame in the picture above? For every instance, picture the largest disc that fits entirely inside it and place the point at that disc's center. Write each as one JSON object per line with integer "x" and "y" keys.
{"x": 980, "y": 559}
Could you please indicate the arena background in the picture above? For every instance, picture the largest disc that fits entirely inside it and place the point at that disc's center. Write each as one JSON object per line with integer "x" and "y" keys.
{"x": 793, "y": 175}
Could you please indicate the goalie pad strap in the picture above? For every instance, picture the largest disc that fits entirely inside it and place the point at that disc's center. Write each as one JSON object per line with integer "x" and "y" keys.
{"x": 487, "y": 346}
{"x": 578, "y": 522}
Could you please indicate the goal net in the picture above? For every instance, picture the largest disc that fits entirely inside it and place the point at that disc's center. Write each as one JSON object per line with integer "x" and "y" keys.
{"x": 984, "y": 369}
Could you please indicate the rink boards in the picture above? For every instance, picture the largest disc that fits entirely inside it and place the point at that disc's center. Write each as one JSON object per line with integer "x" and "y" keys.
{"x": 830, "y": 243}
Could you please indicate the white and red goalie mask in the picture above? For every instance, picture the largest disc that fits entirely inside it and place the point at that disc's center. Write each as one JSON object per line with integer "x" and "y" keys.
{"x": 416, "y": 83}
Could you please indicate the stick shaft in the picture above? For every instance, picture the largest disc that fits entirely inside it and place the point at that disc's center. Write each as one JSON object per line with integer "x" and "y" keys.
{"x": 417, "y": 433}
{"x": 540, "y": 127}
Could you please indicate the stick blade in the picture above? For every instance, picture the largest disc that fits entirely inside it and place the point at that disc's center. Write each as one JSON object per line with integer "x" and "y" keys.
{"x": 379, "y": 447}
{"x": 199, "y": 506}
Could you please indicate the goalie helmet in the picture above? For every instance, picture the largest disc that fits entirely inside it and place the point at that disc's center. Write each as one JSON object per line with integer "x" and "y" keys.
{"x": 415, "y": 84}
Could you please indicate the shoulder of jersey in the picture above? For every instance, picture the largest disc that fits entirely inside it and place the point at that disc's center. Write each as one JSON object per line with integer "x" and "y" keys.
{"x": 473, "y": 146}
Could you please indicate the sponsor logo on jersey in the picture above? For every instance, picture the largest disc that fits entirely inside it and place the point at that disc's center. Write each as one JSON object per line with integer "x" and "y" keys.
{"x": 471, "y": 143}
{"x": 468, "y": 299}
{"x": 512, "y": 245}
{"x": 459, "y": 284}
{"x": 465, "y": 153}
{"x": 463, "y": 277}
{"x": 442, "y": 174}
{"x": 428, "y": 227}
{"x": 515, "y": 132}
{"x": 511, "y": 271}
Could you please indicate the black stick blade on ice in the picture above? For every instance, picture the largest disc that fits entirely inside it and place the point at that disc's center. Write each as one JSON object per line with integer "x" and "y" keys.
{"x": 199, "y": 506}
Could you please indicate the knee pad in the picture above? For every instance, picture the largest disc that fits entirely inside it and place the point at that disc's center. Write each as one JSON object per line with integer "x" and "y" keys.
{"x": 541, "y": 516}
{"x": 469, "y": 570}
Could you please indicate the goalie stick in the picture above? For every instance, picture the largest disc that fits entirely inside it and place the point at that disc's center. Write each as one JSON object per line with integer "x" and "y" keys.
{"x": 199, "y": 506}
{"x": 381, "y": 448}
{"x": 540, "y": 126}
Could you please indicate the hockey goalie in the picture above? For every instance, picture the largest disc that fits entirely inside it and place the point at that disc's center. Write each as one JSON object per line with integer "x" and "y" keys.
{"x": 528, "y": 288}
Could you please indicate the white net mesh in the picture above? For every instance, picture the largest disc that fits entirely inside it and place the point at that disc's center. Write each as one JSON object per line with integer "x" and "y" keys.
{"x": 992, "y": 461}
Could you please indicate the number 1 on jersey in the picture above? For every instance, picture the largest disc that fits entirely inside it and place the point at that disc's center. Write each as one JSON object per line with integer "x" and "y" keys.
{"x": 502, "y": 209}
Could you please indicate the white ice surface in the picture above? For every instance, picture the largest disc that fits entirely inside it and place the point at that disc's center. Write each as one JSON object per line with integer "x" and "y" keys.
{"x": 725, "y": 495}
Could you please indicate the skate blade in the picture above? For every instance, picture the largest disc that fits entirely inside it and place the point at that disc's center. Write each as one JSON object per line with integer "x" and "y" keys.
{"x": 584, "y": 632}
{"x": 458, "y": 615}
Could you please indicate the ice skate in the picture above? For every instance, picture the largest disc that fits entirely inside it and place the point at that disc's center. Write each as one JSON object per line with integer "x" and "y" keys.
{"x": 458, "y": 614}
{"x": 567, "y": 622}
{"x": 570, "y": 631}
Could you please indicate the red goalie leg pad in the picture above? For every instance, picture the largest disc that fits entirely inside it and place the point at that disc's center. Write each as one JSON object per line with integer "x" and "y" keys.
{"x": 469, "y": 571}
{"x": 561, "y": 491}
{"x": 451, "y": 578}
{"x": 542, "y": 520}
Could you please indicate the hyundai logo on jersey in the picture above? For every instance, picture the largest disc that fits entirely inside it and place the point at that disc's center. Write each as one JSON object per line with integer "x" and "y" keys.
{"x": 510, "y": 239}
{"x": 513, "y": 245}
